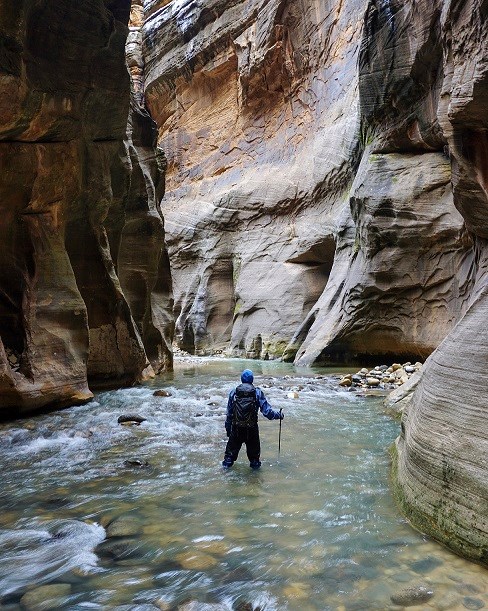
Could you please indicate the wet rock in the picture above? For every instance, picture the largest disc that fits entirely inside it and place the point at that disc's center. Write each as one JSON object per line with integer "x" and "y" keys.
{"x": 124, "y": 526}
{"x": 467, "y": 588}
{"x": 136, "y": 463}
{"x": 195, "y": 605}
{"x": 473, "y": 603}
{"x": 414, "y": 595}
{"x": 240, "y": 573}
{"x": 46, "y": 598}
{"x": 131, "y": 419}
{"x": 372, "y": 382}
{"x": 196, "y": 560}
{"x": 120, "y": 549}
{"x": 292, "y": 395}
{"x": 426, "y": 565}
{"x": 449, "y": 601}
{"x": 346, "y": 382}
{"x": 162, "y": 393}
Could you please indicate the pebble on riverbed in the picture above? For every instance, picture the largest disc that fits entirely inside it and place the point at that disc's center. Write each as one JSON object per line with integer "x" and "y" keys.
{"x": 381, "y": 376}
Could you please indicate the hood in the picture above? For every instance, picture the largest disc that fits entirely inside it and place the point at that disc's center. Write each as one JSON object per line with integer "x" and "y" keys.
{"x": 247, "y": 376}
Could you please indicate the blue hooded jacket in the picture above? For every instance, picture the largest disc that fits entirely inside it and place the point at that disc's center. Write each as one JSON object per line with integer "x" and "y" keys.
{"x": 247, "y": 377}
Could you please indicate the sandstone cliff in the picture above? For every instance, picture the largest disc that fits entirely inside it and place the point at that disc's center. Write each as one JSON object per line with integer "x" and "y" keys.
{"x": 294, "y": 227}
{"x": 442, "y": 476}
{"x": 326, "y": 201}
{"x": 75, "y": 211}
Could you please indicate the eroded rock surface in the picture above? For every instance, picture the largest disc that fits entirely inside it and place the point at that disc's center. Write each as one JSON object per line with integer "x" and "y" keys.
{"x": 296, "y": 226}
{"x": 442, "y": 475}
{"x": 256, "y": 104}
{"x": 72, "y": 206}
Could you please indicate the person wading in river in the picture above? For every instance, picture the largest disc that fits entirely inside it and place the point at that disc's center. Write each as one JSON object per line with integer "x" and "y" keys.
{"x": 241, "y": 423}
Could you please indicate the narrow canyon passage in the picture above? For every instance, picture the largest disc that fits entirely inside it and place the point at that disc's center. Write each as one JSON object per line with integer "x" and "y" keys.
{"x": 86, "y": 524}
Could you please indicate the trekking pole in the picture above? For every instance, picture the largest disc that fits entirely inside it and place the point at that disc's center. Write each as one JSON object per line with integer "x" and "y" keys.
{"x": 279, "y": 437}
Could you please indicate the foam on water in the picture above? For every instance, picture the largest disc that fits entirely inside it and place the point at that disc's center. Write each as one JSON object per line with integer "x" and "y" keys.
{"x": 38, "y": 553}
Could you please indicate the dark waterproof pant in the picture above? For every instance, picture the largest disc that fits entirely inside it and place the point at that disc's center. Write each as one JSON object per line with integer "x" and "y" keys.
{"x": 238, "y": 436}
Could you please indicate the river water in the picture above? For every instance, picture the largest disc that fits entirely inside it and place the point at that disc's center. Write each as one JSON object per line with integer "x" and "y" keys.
{"x": 86, "y": 524}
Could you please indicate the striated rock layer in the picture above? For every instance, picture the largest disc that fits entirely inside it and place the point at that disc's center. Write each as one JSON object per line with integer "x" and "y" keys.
{"x": 295, "y": 227}
{"x": 77, "y": 205}
{"x": 256, "y": 103}
{"x": 442, "y": 471}
{"x": 327, "y": 191}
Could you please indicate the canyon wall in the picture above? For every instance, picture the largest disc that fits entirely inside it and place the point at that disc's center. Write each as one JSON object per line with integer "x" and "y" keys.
{"x": 295, "y": 228}
{"x": 79, "y": 304}
{"x": 326, "y": 202}
{"x": 441, "y": 467}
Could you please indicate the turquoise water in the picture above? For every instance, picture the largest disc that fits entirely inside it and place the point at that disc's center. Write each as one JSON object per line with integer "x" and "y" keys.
{"x": 316, "y": 528}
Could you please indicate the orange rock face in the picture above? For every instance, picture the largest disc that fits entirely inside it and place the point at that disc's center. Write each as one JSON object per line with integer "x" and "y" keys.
{"x": 72, "y": 206}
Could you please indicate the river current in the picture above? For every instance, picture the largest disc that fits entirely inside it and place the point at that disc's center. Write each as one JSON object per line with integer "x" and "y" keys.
{"x": 99, "y": 515}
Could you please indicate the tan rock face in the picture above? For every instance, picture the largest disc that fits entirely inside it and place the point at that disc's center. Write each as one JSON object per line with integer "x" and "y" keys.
{"x": 292, "y": 228}
{"x": 72, "y": 205}
{"x": 261, "y": 142}
{"x": 442, "y": 469}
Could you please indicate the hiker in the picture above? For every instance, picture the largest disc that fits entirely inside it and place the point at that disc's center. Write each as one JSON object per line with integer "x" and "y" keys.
{"x": 241, "y": 423}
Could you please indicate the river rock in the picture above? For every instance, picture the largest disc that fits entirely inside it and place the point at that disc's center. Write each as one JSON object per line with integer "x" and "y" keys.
{"x": 196, "y": 560}
{"x": 473, "y": 603}
{"x": 120, "y": 549}
{"x": 124, "y": 526}
{"x": 162, "y": 393}
{"x": 413, "y": 595}
{"x": 130, "y": 419}
{"x": 372, "y": 381}
{"x": 46, "y": 598}
{"x": 136, "y": 463}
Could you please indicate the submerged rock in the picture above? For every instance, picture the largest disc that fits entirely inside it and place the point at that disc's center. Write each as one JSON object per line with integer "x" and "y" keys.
{"x": 124, "y": 526}
{"x": 120, "y": 549}
{"x": 413, "y": 595}
{"x": 473, "y": 603}
{"x": 138, "y": 463}
{"x": 46, "y": 598}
